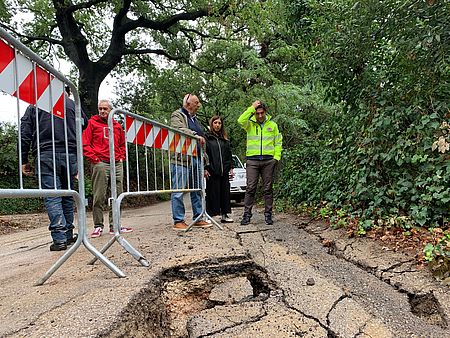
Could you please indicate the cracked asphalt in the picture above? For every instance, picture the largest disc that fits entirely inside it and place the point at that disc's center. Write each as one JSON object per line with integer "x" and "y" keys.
{"x": 244, "y": 281}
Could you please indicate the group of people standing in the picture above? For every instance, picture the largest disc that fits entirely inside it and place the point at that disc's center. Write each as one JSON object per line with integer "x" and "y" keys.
{"x": 52, "y": 141}
{"x": 264, "y": 145}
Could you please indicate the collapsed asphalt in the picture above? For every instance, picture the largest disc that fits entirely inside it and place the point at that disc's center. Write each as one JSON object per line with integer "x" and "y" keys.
{"x": 255, "y": 280}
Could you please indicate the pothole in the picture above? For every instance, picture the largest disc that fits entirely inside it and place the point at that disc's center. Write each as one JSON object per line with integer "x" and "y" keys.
{"x": 427, "y": 307}
{"x": 176, "y": 303}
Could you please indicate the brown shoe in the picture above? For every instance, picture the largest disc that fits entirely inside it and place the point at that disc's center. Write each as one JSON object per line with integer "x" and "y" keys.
{"x": 180, "y": 226}
{"x": 202, "y": 224}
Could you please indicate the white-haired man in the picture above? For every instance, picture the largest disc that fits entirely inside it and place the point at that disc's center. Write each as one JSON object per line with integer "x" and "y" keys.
{"x": 185, "y": 120}
{"x": 96, "y": 150}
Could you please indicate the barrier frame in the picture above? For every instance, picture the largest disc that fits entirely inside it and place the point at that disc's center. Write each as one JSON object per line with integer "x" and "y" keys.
{"x": 78, "y": 196}
{"x": 116, "y": 201}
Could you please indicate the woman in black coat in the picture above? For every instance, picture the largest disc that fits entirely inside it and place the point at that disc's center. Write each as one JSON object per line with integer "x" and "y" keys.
{"x": 218, "y": 169}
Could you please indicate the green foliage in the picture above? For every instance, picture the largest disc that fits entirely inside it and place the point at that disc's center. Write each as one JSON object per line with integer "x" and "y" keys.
{"x": 437, "y": 253}
{"x": 258, "y": 60}
{"x": 385, "y": 151}
{"x": 9, "y": 167}
{"x": 11, "y": 206}
{"x": 440, "y": 249}
{"x": 8, "y": 150}
{"x": 5, "y": 11}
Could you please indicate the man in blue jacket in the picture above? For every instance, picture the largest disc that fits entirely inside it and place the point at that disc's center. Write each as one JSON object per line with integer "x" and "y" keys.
{"x": 50, "y": 141}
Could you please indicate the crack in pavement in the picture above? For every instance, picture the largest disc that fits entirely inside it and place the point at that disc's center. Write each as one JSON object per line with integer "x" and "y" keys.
{"x": 223, "y": 330}
{"x": 346, "y": 247}
{"x": 323, "y": 326}
{"x": 340, "y": 299}
{"x": 373, "y": 270}
{"x": 41, "y": 315}
{"x": 396, "y": 265}
{"x": 253, "y": 231}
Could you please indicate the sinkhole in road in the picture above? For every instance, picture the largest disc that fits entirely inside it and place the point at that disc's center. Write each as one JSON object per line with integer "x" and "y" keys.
{"x": 165, "y": 307}
{"x": 427, "y": 307}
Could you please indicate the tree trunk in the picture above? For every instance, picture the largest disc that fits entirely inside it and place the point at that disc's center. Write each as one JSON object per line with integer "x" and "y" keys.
{"x": 88, "y": 86}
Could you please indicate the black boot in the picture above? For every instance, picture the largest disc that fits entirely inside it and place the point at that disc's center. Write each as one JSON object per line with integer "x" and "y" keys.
{"x": 268, "y": 218}
{"x": 246, "y": 219}
{"x": 58, "y": 246}
{"x": 72, "y": 240}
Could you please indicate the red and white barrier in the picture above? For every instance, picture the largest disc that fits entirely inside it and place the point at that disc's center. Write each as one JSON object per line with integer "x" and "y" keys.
{"x": 150, "y": 135}
{"x": 32, "y": 83}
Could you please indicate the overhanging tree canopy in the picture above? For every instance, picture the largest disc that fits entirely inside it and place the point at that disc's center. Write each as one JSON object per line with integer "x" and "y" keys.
{"x": 95, "y": 35}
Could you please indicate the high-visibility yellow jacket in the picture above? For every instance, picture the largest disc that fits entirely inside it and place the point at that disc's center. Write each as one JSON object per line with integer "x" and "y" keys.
{"x": 264, "y": 139}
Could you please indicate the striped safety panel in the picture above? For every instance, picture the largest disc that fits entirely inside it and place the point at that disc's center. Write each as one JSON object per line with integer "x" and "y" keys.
{"x": 149, "y": 135}
{"x": 21, "y": 77}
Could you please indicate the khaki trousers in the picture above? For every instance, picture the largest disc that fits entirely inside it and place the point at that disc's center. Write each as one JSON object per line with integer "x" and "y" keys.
{"x": 101, "y": 190}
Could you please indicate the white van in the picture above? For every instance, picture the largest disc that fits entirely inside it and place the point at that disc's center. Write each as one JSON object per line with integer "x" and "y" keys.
{"x": 238, "y": 183}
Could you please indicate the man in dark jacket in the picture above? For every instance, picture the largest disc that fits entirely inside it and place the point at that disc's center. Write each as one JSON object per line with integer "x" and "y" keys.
{"x": 55, "y": 158}
{"x": 96, "y": 150}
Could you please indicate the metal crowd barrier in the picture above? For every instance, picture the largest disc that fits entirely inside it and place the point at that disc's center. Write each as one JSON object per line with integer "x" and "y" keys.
{"x": 26, "y": 76}
{"x": 151, "y": 149}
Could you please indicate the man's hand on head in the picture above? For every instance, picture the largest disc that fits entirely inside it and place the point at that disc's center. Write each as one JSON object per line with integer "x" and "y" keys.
{"x": 256, "y": 103}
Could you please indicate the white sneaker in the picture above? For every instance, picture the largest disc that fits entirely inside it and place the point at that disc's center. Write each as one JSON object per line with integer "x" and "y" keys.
{"x": 97, "y": 232}
{"x": 226, "y": 219}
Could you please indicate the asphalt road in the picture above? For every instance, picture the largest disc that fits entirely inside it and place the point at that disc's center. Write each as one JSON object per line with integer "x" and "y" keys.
{"x": 245, "y": 281}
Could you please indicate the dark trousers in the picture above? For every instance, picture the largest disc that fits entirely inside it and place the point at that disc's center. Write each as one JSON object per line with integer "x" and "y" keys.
{"x": 218, "y": 195}
{"x": 265, "y": 169}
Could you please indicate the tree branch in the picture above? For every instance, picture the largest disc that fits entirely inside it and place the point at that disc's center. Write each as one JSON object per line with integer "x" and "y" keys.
{"x": 165, "y": 24}
{"x": 84, "y": 5}
{"x": 122, "y": 13}
{"x": 152, "y": 51}
{"x": 30, "y": 38}
{"x": 207, "y": 36}
{"x": 74, "y": 42}
{"x": 162, "y": 52}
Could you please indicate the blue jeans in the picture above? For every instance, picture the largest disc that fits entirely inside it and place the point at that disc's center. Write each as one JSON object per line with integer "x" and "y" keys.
{"x": 59, "y": 209}
{"x": 183, "y": 177}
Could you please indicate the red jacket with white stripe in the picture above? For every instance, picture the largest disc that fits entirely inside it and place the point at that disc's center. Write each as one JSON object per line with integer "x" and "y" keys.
{"x": 96, "y": 144}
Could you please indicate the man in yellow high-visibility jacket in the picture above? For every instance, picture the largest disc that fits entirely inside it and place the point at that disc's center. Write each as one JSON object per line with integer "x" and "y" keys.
{"x": 264, "y": 146}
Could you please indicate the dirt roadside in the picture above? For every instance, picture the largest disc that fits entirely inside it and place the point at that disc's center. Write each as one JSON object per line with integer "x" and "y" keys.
{"x": 257, "y": 280}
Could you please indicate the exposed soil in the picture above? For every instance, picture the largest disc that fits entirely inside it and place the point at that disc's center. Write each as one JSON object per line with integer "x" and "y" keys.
{"x": 14, "y": 223}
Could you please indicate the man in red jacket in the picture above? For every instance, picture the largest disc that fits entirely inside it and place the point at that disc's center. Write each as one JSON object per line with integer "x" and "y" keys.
{"x": 96, "y": 150}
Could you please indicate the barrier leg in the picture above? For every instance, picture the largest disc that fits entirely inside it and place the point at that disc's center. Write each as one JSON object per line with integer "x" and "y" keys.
{"x": 204, "y": 213}
{"x": 69, "y": 253}
{"x": 103, "y": 259}
{"x": 213, "y": 221}
{"x": 58, "y": 263}
{"x": 103, "y": 250}
{"x": 127, "y": 246}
